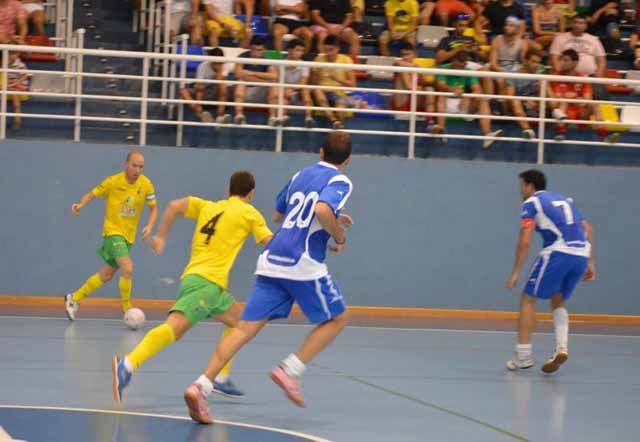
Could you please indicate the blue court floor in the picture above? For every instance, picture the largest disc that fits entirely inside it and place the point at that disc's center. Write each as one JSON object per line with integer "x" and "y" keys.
{"x": 374, "y": 384}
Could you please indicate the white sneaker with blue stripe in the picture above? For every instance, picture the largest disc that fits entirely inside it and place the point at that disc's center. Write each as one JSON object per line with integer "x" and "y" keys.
{"x": 121, "y": 377}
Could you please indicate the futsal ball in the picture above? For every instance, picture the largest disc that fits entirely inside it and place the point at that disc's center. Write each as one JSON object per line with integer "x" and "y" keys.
{"x": 134, "y": 318}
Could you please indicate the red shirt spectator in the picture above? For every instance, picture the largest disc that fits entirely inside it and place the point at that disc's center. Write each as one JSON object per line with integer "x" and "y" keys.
{"x": 12, "y": 16}
{"x": 568, "y": 89}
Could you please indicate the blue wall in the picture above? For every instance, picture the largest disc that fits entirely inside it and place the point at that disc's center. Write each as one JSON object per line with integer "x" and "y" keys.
{"x": 428, "y": 233}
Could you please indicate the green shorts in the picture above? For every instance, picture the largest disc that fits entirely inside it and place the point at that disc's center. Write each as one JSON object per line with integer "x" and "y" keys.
{"x": 200, "y": 298}
{"x": 114, "y": 246}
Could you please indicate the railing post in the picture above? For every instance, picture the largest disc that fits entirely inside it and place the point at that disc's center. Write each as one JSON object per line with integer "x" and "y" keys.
{"x": 151, "y": 24}
{"x": 280, "y": 110}
{"x": 543, "y": 112}
{"x": 183, "y": 75}
{"x": 166, "y": 45}
{"x": 68, "y": 26}
{"x": 144, "y": 103}
{"x": 411, "y": 151}
{"x": 3, "y": 104}
{"x": 78, "y": 86}
{"x": 157, "y": 38}
{"x": 143, "y": 21}
{"x": 60, "y": 14}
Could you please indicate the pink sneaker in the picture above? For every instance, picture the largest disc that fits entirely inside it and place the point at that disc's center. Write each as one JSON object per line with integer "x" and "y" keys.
{"x": 198, "y": 404}
{"x": 289, "y": 384}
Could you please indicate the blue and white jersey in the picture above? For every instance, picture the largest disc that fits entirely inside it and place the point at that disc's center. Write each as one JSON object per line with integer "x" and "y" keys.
{"x": 559, "y": 222}
{"x": 298, "y": 249}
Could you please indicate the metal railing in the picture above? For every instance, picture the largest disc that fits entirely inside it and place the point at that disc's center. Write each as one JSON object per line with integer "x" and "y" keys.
{"x": 145, "y": 99}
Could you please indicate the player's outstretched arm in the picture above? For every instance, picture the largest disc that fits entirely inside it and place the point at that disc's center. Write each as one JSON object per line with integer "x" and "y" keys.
{"x": 331, "y": 224}
{"x": 153, "y": 217}
{"x": 590, "y": 274}
{"x": 174, "y": 209}
{"x": 76, "y": 207}
{"x": 522, "y": 250}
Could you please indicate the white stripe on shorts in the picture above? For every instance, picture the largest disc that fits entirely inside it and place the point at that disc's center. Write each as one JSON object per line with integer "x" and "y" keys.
{"x": 323, "y": 301}
{"x": 545, "y": 261}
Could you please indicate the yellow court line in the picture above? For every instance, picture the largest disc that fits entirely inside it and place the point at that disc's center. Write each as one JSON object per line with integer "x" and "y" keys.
{"x": 380, "y": 312}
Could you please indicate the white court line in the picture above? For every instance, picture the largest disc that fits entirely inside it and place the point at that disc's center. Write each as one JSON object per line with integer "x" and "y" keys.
{"x": 166, "y": 416}
{"x": 436, "y": 330}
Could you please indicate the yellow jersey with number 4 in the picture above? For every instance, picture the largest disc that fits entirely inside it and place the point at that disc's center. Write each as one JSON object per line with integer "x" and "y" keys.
{"x": 124, "y": 203}
{"x": 221, "y": 229}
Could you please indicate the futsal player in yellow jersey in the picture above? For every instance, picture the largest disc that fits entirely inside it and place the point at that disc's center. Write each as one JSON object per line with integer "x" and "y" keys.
{"x": 220, "y": 231}
{"x": 125, "y": 194}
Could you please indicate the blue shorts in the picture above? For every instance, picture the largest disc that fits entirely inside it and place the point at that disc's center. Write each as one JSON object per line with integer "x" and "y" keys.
{"x": 272, "y": 298}
{"x": 555, "y": 273}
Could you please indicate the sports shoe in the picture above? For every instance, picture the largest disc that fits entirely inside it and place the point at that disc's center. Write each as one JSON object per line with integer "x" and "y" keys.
{"x": 612, "y": 138}
{"x": 309, "y": 122}
{"x": 239, "y": 119}
{"x": 71, "y": 307}
{"x": 528, "y": 134}
{"x": 289, "y": 384}
{"x": 273, "y": 122}
{"x": 337, "y": 124}
{"x": 559, "y": 115}
{"x": 227, "y": 388}
{"x": 206, "y": 117}
{"x": 552, "y": 364}
{"x": 439, "y": 130}
{"x": 486, "y": 144}
{"x": 225, "y": 119}
{"x": 197, "y": 404}
{"x": 285, "y": 120}
{"x": 519, "y": 364}
{"x": 121, "y": 377}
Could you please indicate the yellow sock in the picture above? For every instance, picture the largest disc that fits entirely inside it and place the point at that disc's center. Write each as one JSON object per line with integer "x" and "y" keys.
{"x": 92, "y": 284}
{"x": 226, "y": 370}
{"x": 154, "y": 341}
{"x": 124, "y": 285}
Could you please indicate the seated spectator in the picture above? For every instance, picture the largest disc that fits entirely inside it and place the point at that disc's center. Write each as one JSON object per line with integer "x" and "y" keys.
{"x": 568, "y": 62}
{"x": 333, "y": 77}
{"x": 258, "y": 73}
{"x": 220, "y": 22}
{"x": 17, "y": 82}
{"x": 460, "y": 104}
{"x": 427, "y": 8}
{"x": 526, "y": 88}
{"x": 602, "y": 13}
{"x": 404, "y": 81}
{"x": 208, "y": 91}
{"x": 297, "y": 75}
{"x": 357, "y": 9}
{"x": 402, "y": 21}
{"x": 497, "y": 12}
{"x": 333, "y": 18}
{"x": 634, "y": 46}
{"x": 35, "y": 15}
{"x": 13, "y": 22}
{"x": 292, "y": 17}
{"x": 448, "y": 9}
{"x": 547, "y": 23}
{"x": 507, "y": 51}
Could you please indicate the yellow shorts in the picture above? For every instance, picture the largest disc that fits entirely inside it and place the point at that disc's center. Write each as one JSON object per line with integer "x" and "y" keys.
{"x": 236, "y": 25}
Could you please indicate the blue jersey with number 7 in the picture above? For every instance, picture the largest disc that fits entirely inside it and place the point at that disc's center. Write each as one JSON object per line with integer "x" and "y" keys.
{"x": 559, "y": 222}
{"x": 298, "y": 249}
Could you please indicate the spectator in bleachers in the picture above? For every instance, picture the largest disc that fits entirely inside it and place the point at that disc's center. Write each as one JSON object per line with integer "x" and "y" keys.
{"x": 448, "y": 9}
{"x": 292, "y": 17}
{"x": 497, "y": 12}
{"x": 427, "y": 8}
{"x": 184, "y": 20}
{"x": 357, "y": 10}
{"x": 208, "y": 91}
{"x": 526, "y": 88}
{"x": 458, "y": 41}
{"x": 460, "y": 104}
{"x": 602, "y": 13}
{"x": 333, "y": 77}
{"x": 634, "y": 46}
{"x": 404, "y": 81}
{"x": 402, "y": 21}
{"x": 17, "y": 82}
{"x": 258, "y": 73}
{"x": 220, "y": 21}
{"x": 35, "y": 15}
{"x": 567, "y": 65}
{"x": 13, "y": 22}
{"x": 333, "y": 18}
{"x": 507, "y": 50}
{"x": 547, "y": 23}
{"x": 297, "y": 75}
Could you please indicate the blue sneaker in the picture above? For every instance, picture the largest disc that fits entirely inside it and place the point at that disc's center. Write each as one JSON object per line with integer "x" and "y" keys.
{"x": 121, "y": 377}
{"x": 227, "y": 388}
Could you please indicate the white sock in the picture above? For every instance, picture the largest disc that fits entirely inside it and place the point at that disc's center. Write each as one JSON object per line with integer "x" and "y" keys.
{"x": 205, "y": 384}
{"x": 127, "y": 364}
{"x": 293, "y": 366}
{"x": 523, "y": 351}
{"x": 221, "y": 378}
{"x": 561, "y": 326}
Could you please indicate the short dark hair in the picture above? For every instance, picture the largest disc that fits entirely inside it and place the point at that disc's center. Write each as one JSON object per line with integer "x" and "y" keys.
{"x": 534, "y": 177}
{"x": 215, "y": 52}
{"x": 533, "y": 53}
{"x": 337, "y": 147}
{"x": 571, "y": 53}
{"x": 295, "y": 43}
{"x": 407, "y": 46}
{"x": 581, "y": 16}
{"x": 257, "y": 40}
{"x": 241, "y": 183}
{"x": 332, "y": 40}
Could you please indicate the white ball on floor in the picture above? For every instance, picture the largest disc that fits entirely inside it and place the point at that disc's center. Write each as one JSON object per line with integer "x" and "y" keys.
{"x": 134, "y": 318}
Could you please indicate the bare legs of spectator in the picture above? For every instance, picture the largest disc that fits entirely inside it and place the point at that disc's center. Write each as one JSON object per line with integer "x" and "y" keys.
{"x": 303, "y": 33}
{"x": 305, "y": 96}
{"x": 240, "y": 94}
{"x": 17, "y": 120}
{"x": 37, "y": 18}
{"x": 544, "y": 41}
{"x": 426, "y": 12}
{"x": 518, "y": 110}
{"x": 348, "y": 36}
{"x": 196, "y": 30}
{"x": 384, "y": 40}
{"x": 336, "y": 118}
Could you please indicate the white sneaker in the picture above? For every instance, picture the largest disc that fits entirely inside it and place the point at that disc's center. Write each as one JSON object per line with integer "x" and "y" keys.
{"x": 519, "y": 364}
{"x": 552, "y": 364}
{"x": 273, "y": 122}
{"x": 70, "y": 306}
{"x": 486, "y": 144}
{"x": 558, "y": 114}
{"x": 528, "y": 134}
{"x": 206, "y": 117}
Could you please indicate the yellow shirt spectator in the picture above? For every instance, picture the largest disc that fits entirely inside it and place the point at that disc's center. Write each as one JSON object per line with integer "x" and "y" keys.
{"x": 401, "y": 13}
